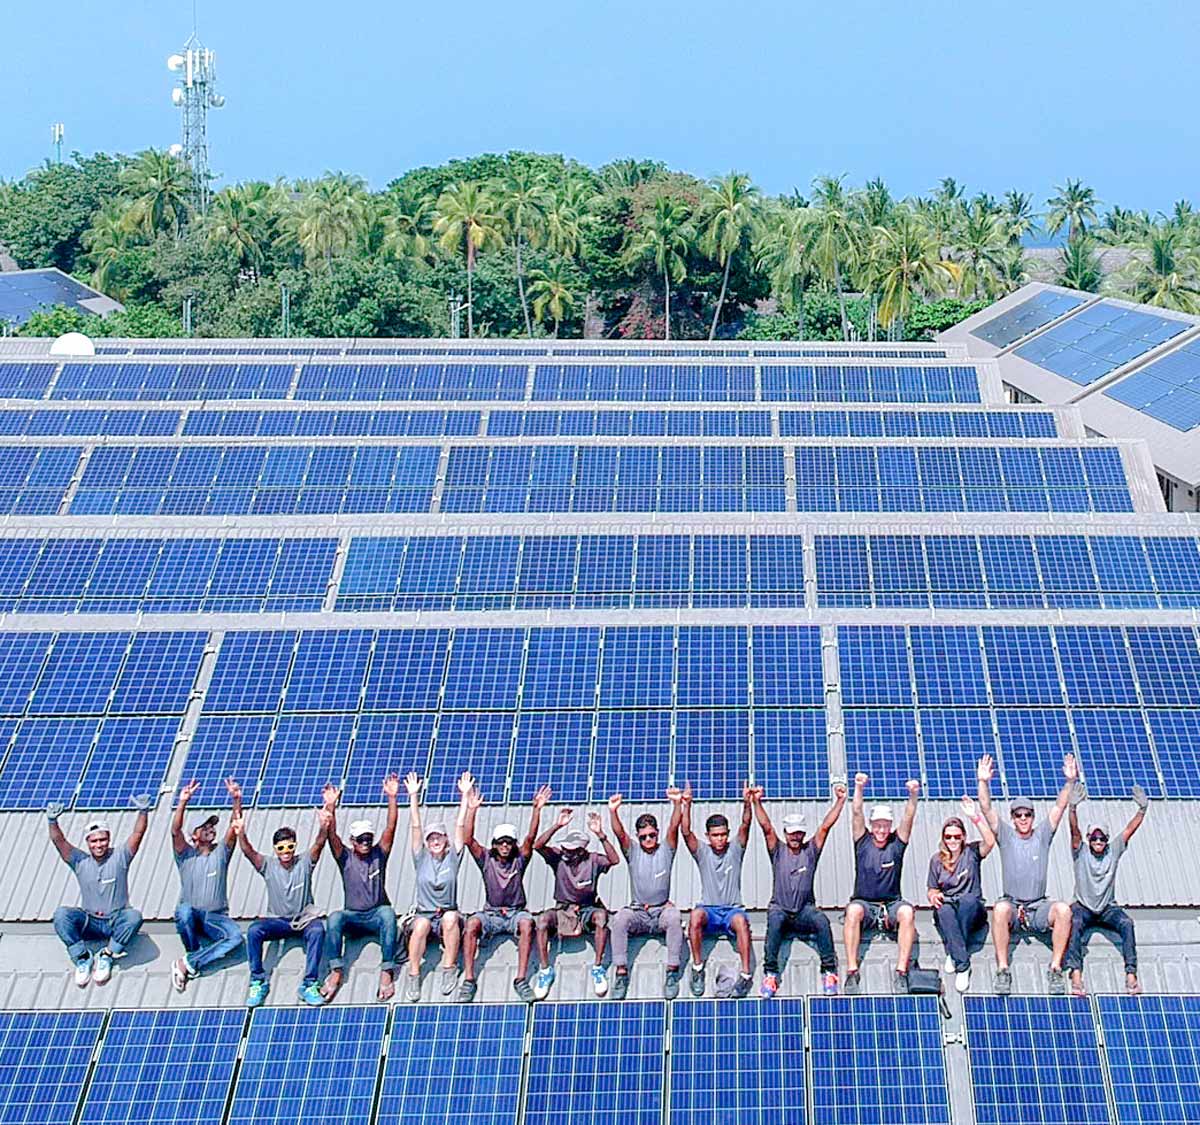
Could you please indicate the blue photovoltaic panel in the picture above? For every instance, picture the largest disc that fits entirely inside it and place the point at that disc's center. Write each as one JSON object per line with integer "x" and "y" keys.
{"x": 407, "y": 669}
{"x": 131, "y": 756}
{"x": 712, "y": 751}
{"x": 1175, "y": 562}
{"x": 480, "y": 742}
{"x": 878, "y": 1059}
{"x": 309, "y": 1064}
{"x": 44, "y": 1060}
{"x": 484, "y": 669}
{"x": 250, "y": 672}
{"x": 1177, "y": 740}
{"x": 328, "y": 670}
{"x": 227, "y": 747}
{"x": 791, "y": 753}
{"x": 633, "y": 754}
{"x": 453, "y": 1064}
{"x": 1095, "y": 666}
{"x": 776, "y": 570}
{"x": 169, "y": 1067}
{"x": 1167, "y": 664}
{"x": 561, "y": 670}
{"x": 843, "y": 570}
{"x": 787, "y": 666}
{"x": 552, "y": 748}
{"x": 79, "y": 674}
{"x": 1115, "y": 752}
{"x": 953, "y": 740}
{"x": 1030, "y": 315}
{"x": 713, "y": 667}
{"x": 636, "y": 668}
{"x": 383, "y": 745}
{"x": 1167, "y": 389}
{"x": 159, "y": 674}
{"x": 573, "y": 1081}
{"x": 1021, "y": 665}
{"x": 760, "y": 1076}
{"x": 948, "y": 664}
{"x": 309, "y": 751}
{"x": 1038, "y": 1054}
{"x": 883, "y": 745}
{"x": 1153, "y": 1046}
{"x": 874, "y": 662}
{"x": 1033, "y": 743}
{"x": 21, "y": 659}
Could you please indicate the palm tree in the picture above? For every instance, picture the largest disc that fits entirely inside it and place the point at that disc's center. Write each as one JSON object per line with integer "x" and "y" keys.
{"x": 467, "y": 220}
{"x": 158, "y": 186}
{"x": 1017, "y": 213}
{"x": 411, "y": 217}
{"x": 565, "y": 214}
{"x": 327, "y": 218}
{"x": 1168, "y": 276}
{"x": 983, "y": 240}
{"x": 630, "y": 173}
{"x": 550, "y": 289}
{"x": 239, "y": 218}
{"x": 1074, "y": 206}
{"x": 875, "y": 203}
{"x": 106, "y": 240}
{"x": 835, "y": 238}
{"x": 666, "y": 236}
{"x": 906, "y": 260}
{"x": 730, "y": 216}
{"x": 1120, "y": 227}
{"x": 523, "y": 199}
{"x": 784, "y": 252}
{"x": 1079, "y": 265}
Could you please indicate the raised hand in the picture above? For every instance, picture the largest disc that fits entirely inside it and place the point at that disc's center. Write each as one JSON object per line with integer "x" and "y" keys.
{"x": 968, "y": 807}
{"x": 236, "y": 825}
{"x": 1139, "y": 798}
{"x": 325, "y": 816}
{"x": 674, "y": 794}
{"x": 140, "y": 801}
{"x": 542, "y": 797}
{"x": 593, "y": 823}
{"x": 985, "y": 768}
{"x": 839, "y": 791}
{"x": 914, "y": 788}
{"x": 1079, "y": 794}
{"x": 1070, "y": 768}
{"x": 563, "y": 818}
{"x": 614, "y": 802}
{"x": 860, "y": 780}
{"x": 330, "y": 795}
{"x": 474, "y": 799}
{"x": 466, "y": 782}
{"x": 235, "y": 790}
{"x": 751, "y": 793}
{"x": 412, "y": 784}
{"x": 687, "y": 793}
{"x": 391, "y": 785}
{"x": 54, "y": 810}
{"x": 188, "y": 791}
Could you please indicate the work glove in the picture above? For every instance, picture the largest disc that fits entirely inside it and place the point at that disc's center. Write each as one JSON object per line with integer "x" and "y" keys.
{"x": 140, "y": 801}
{"x": 1140, "y": 799}
{"x": 1078, "y": 794}
{"x": 54, "y": 810}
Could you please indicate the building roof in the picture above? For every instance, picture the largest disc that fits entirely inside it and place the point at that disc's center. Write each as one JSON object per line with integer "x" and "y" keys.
{"x": 24, "y": 292}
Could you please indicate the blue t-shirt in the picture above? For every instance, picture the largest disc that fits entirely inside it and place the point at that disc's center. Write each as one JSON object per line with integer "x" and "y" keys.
{"x": 877, "y": 870}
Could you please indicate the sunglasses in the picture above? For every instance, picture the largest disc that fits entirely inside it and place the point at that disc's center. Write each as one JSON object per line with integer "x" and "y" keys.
{"x": 650, "y": 835}
{"x": 365, "y": 838}
{"x": 286, "y": 847}
{"x": 952, "y": 835}
{"x": 1098, "y": 836}
{"x": 1022, "y": 812}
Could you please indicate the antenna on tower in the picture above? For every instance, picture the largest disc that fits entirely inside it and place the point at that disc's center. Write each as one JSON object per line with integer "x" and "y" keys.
{"x": 57, "y": 131}
{"x": 195, "y": 94}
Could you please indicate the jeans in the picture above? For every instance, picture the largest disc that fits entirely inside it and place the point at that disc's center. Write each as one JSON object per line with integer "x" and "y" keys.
{"x": 1111, "y": 918}
{"x": 807, "y": 923}
{"x": 956, "y": 920}
{"x": 279, "y": 929}
{"x": 641, "y": 921}
{"x": 379, "y": 923}
{"x": 74, "y": 927}
{"x": 207, "y": 935}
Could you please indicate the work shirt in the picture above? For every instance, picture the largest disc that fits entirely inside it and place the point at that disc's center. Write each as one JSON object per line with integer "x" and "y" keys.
{"x": 103, "y": 884}
{"x": 794, "y": 873}
{"x": 964, "y": 879}
{"x": 289, "y": 890}
{"x": 1024, "y": 861}
{"x": 650, "y": 874}
{"x": 575, "y": 882}
{"x": 503, "y": 883}
{"x": 363, "y": 878}
{"x": 720, "y": 875}
{"x": 1096, "y": 875}
{"x": 877, "y": 870}
{"x": 437, "y": 880}
{"x": 203, "y": 878}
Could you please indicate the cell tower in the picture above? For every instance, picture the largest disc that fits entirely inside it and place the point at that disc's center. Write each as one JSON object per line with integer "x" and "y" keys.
{"x": 195, "y": 94}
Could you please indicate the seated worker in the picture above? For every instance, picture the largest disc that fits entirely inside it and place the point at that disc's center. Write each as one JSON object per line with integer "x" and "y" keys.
{"x": 577, "y": 906}
{"x": 436, "y": 860}
{"x": 367, "y": 910}
{"x": 955, "y": 889}
{"x": 720, "y": 911}
{"x": 876, "y": 903}
{"x": 290, "y": 911}
{"x": 503, "y": 869}
{"x": 202, "y": 917}
{"x": 1024, "y": 865}
{"x": 1096, "y": 888}
{"x": 651, "y": 910}
{"x": 104, "y": 913}
{"x": 792, "y": 909}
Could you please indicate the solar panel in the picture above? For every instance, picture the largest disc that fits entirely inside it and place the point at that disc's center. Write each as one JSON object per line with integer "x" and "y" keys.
{"x": 478, "y": 741}
{"x": 1026, "y": 317}
{"x": 878, "y": 1058}
{"x": 44, "y": 1060}
{"x": 453, "y": 1065}
{"x": 1033, "y": 742}
{"x": 637, "y": 667}
{"x": 317, "y": 1064}
{"x": 328, "y": 670}
{"x": 713, "y": 667}
{"x": 552, "y": 748}
{"x": 571, "y": 1081}
{"x": 632, "y": 755}
{"x": 131, "y": 756}
{"x": 874, "y": 663}
{"x": 227, "y": 747}
{"x": 79, "y": 674}
{"x": 953, "y": 739}
{"x": 250, "y": 671}
{"x": 712, "y": 751}
{"x": 882, "y": 743}
{"x": 1095, "y": 666}
{"x": 1021, "y": 664}
{"x": 484, "y": 669}
{"x": 760, "y": 1078}
{"x": 22, "y": 656}
{"x": 1177, "y": 740}
{"x": 787, "y": 666}
{"x": 1115, "y": 753}
{"x": 1036, "y": 1053}
{"x": 164, "y": 1067}
{"x": 308, "y": 752}
{"x": 1167, "y": 389}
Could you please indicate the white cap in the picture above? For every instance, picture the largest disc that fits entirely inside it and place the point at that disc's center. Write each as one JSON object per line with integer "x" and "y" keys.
{"x": 504, "y": 832}
{"x": 361, "y": 828}
{"x": 95, "y": 826}
{"x": 573, "y": 840}
{"x": 881, "y": 812}
{"x": 794, "y": 822}
{"x": 437, "y": 828}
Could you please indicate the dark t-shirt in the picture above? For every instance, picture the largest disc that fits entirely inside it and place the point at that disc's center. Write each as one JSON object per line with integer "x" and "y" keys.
{"x": 794, "y": 873}
{"x": 576, "y": 883}
{"x": 877, "y": 870}
{"x": 363, "y": 878}
{"x": 503, "y": 883}
{"x": 963, "y": 880}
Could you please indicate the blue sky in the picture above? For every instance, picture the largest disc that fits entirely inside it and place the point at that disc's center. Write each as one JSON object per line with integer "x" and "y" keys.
{"x": 1017, "y": 94}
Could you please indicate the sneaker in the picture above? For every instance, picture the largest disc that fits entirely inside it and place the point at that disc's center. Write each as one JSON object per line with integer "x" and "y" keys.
{"x": 620, "y": 986}
{"x": 696, "y": 980}
{"x": 769, "y": 987}
{"x": 829, "y": 984}
{"x": 742, "y": 988}
{"x": 962, "y": 981}
{"x": 599, "y": 980}
{"x": 83, "y": 972}
{"x": 541, "y": 984}
{"x": 671, "y": 983}
{"x": 311, "y": 994}
{"x": 412, "y": 988}
{"x": 180, "y": 973}
{"x": 256, "y": 993}
{"x": 852, "y": 984}
{"x": 522, "y": 989}
{"x": 102, "y": 967}
{"x": 448, "y": 980}
{"x": 467, "y": 990}
{"x": 1002, "y": 985}
{"x": 1055, "y": 983}
{"x": 948, "y": 966}
{"x": 900, "y": 983}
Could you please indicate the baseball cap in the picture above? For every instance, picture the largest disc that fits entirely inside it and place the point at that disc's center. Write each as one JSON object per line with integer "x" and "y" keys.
{"x": 1020, "y": 803}
{"x": 437, "y": 828}
{"x": 572, "y": 840}
{"x": 94, "y": 826}
{"x": 361, "y": 828}
{"x": 794, "y": 822}
{"x": 1099, "y": 827}
{"x": 882, "y": 812}
{"x": 504, "y": 832}
{"x": 207, "y": 822}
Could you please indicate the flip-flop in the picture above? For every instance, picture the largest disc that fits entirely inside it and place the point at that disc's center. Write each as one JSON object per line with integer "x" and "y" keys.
{"x": 386, "y": 991}
{"x": 330, "y": 995}
{"x": 1134, "y": 989}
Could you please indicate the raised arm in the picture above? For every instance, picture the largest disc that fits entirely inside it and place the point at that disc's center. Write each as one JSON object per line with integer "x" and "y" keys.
{"x": 1143, "y": 802}
{"x": 412, "y": 786}
{"x": 244, "y": 842}
{"x": 1071, "y": 776}
{"x": 1078, "y": 796}
{"x": 466, "y": 786}
{"x": 675, "y": 796}
{"x": 62, "y": 845}
{"x": 540, "y": 799}
{"x": 764, "y": 821}
{"x": 327, "y": 825}
{"x": 474, "y": 800}
{"x": 984, "y": 770}
{"x": 858, "y": 821}
{"x": 235, "y": 795}
{"x": 141, "y": 802}
{"x": 559, "y": 822}
{"x": 987, "y": 838}
{"x": 749, "y": 793}
{"x": 391, "y": 790}
{"x": 614, "y": 818}
{"x": 685, "y": 823}
{"x": 831, "y": 817}
{"x": 910, "y": 810}
{"x": 178, "y": 839}
{"x": 596, "y": 828}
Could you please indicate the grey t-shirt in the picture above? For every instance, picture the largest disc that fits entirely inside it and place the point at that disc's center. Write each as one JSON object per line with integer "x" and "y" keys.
{"x": 794, "y": 874}
{"x": 1024, "y": 861}
{"x": 289, "y": 890}
{"x": 103, "y": 885}
{"x": 202, "y": 878}
{"x": 1096, "y": 876}
{"x": 503, "y": 883}
{"x": 963, "y": 879}
{"x": 650, "y": 874}
{"x": 720, "y": 875}
{"x": 363, "y": 878}
{"x": 576, "y": 883}
{"x": 437, "y": 880}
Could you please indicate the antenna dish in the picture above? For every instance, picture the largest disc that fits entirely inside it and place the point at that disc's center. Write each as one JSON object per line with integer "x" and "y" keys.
{"x": 175, "y": 62}
{"x": 216, "y": 100}
{"x": 175, "y": 150}
{"x": 177, "y": 96}
{"x": 73, "y": 343}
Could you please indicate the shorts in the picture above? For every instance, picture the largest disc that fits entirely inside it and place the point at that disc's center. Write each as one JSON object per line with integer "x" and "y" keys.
{"x": 502, "y": 923}
{"x": 719, "y": 919}
{"x": 433, "y": 917}
{"x": 568, "y": 919}
{"x": 1030, "y": 917}
{"x": 883, "y": 917}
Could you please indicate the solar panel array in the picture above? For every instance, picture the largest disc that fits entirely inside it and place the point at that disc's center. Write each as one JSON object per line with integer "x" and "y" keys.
{"x": 24, "y": 292}
{"x": 1167, "y": 389}
{"x": 1026, "y": 317}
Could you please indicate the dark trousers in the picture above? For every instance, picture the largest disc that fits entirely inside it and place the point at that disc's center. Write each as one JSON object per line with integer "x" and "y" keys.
{"x": 1111, "y": 918}
{"x": 207, "y": 935}
{"x": 807, "y": 923}
{"x": 279, "y": 929}
{"x": 956, "y": 920}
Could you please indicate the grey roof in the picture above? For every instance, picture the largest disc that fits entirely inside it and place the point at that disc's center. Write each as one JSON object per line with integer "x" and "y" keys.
{"x": 24, "y": 292}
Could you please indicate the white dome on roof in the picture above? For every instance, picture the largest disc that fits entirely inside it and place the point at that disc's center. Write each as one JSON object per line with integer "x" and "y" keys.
{"x": 73, "y": 343}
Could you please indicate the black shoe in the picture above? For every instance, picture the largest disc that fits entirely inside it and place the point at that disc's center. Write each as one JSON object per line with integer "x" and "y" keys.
{"x": 620, "y": 986}
{"x": 852, "y": 985}
{"x": 742, "y": 988}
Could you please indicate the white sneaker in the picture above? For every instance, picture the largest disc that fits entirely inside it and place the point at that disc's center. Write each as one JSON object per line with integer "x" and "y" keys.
{"x": 962, "y": 981}
{"x": 948, "y": 967}
{"x": 180, "y": 974}
{"x": 102, "y": 967}
{"x": 83, "y": 973}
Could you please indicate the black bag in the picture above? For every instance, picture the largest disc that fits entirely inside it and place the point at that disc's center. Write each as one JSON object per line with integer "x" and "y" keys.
{"x": 924, "y": 982}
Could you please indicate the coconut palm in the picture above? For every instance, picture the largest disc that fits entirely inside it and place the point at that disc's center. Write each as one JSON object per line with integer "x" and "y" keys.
{"x": 906, "y": 263}
{"x": 835, "y": 236}
{"x": 1168, "y": 275}
{"x": 158, "y": 186}
{"x": 468, "y": 221}
{"x": 1016, "y": 209}
{"x": 784, "y": 252}
{"x": 551, "y": 292}
{"x": 328, "y": 216}
{"x": 1120, "y": 227}
{"x": 983, "y": 239}
{"x": 239, "y": 218}
{"x": 665, "y": 237}
{"x": 565, "y": 213}
{"x": 411, "y": 217}
{"x": 730, "y": 214}
{"x": 1079, "y": 264}
{"x": 1074, "y": 206}
{"x": 106, "y": 240}
{"x": 875, "y": 204}
{"x": 523, "y": 198}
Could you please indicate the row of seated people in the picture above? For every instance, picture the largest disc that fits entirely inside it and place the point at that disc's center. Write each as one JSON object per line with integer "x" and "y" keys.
{"x": 209, "y": 935}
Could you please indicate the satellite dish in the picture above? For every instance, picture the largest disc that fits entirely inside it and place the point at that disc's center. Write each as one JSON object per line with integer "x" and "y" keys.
{"x": 216, "y": 101}
{"x": 175, "y": 62}
{"x": 177, "y": 96}
{"x": 175, "y": 150}
{"x": 73, "y": 343}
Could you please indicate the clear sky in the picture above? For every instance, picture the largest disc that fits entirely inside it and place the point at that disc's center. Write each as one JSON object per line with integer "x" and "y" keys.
{"x": 1013, "y": 94}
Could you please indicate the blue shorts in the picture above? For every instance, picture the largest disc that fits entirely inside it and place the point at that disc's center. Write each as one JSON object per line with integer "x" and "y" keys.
{"x": 719, "y": 919}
